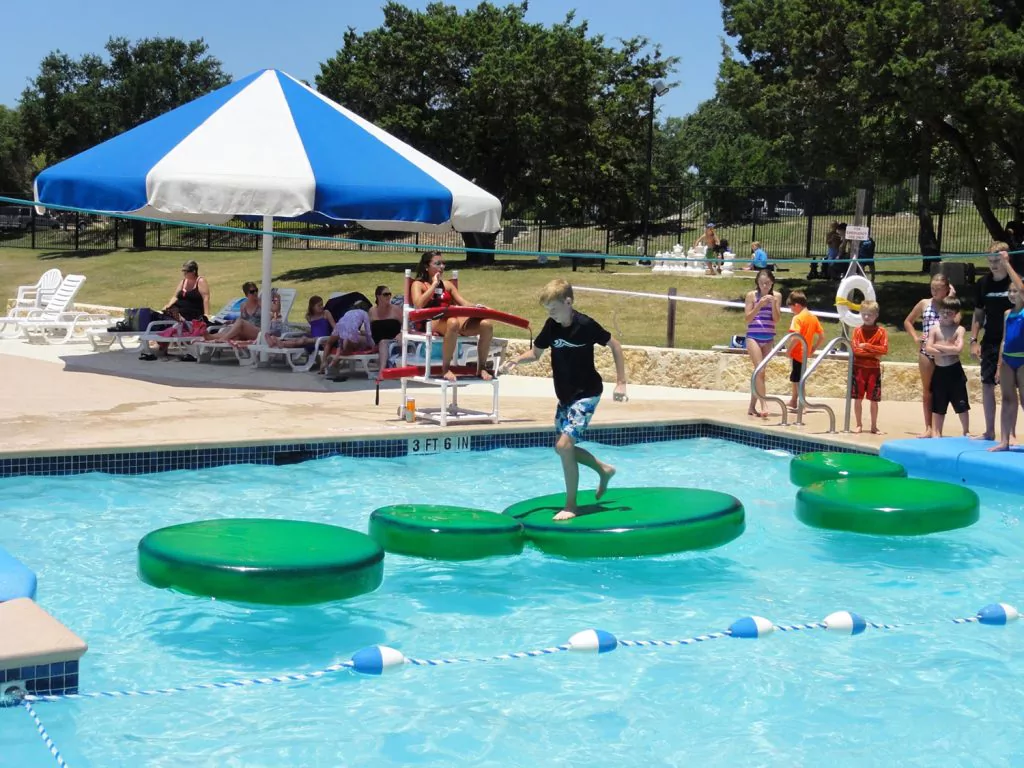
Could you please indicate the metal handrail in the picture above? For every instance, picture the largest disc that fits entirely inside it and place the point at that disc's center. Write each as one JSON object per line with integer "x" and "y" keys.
{"x": 804, "y": 405}
{"x": 783, "y": 344}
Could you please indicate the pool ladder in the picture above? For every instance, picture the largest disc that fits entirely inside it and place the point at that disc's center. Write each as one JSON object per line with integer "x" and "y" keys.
{"x": 803, "y": 405}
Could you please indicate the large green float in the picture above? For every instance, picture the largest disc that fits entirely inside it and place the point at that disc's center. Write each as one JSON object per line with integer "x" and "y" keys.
{"x": 887, "y": 506}
{"x": 445, "y": 533}
{"x": 816, "y": 466}
{"x": 630, "y": 522}
{"x": 278, "y": 562}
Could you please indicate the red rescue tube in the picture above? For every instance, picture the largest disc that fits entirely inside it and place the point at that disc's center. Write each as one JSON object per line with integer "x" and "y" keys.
{"x": 437, "y": 313}
{"x": 419, "y": 370}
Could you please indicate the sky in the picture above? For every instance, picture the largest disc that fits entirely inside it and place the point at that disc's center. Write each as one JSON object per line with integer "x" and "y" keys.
{"x": 248, "y": 35}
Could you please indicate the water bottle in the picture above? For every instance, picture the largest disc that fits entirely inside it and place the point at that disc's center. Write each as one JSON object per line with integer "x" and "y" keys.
{"x": 410, "y": 410}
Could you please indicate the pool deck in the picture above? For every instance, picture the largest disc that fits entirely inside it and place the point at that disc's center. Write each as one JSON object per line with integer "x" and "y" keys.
{"x": 68, "y": 399}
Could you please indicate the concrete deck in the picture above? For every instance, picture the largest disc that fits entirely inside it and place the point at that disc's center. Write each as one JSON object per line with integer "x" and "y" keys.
{"x": 60, "y": 399}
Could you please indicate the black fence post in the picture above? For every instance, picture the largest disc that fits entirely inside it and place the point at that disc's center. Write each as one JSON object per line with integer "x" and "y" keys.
{"x": 670, "y": 335}
{"x": 209, "y": 239}
{"x": 32, "y": 223}
{"x": 810, "y": 221}
{"x": 607, "y": 239}
{"x": 78, "y": 232}
{"x": 117, "y": 236}
{"x": 540, "y": 234}
{"x": 942, "y": 215}
{"x": 679, "y": 224}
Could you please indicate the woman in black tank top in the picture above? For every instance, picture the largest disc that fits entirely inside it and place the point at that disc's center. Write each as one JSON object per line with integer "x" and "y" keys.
{"x": 192, "y": 298}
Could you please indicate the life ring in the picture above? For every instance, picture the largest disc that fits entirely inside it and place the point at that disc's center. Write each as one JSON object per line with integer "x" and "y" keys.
{"x": 849, "y": 312}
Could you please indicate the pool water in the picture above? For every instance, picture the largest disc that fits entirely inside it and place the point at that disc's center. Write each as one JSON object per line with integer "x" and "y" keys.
{"x": 933, "y": 693}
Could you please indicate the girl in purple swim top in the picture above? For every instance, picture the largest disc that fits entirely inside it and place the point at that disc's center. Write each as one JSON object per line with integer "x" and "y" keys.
{"x": 763, "y": 306}
{"x": 321, "y": 324}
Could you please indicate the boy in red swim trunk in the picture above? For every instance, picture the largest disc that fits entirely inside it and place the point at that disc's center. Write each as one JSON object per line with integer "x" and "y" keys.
{"x": 870, "y": 341}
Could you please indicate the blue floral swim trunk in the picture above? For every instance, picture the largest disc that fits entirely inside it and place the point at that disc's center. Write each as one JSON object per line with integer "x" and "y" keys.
{"x": 573, "y": 419}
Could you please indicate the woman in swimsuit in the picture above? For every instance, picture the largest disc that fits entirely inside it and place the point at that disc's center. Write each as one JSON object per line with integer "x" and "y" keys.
{"x": 192, "y": 297}
{"x": 247, "y": 326}
{"x": 927, "y": 311}
{"x": 763, "y": 306}
{"x": 385, "y": 324}
{"x": 430, "y": 289}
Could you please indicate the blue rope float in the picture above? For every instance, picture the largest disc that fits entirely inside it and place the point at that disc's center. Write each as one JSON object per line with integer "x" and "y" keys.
{"x": 376, "y": 660}
{"x": 41, "y": 730}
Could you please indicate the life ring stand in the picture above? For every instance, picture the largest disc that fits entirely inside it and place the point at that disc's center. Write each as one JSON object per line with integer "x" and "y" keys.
{"x": 849, "y": 311}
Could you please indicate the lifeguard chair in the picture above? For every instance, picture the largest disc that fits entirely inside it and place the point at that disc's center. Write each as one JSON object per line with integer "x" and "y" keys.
{"x": 421, "y": 358}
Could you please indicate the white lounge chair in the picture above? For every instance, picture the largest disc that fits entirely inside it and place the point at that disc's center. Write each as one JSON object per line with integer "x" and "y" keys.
{"x": 103, "y": 339}
{"x": 36, "y": 296}
{"x": 46, "y": 324}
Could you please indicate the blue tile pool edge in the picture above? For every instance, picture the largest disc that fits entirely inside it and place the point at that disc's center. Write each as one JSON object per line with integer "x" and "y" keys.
{"x": 144, "y": 461}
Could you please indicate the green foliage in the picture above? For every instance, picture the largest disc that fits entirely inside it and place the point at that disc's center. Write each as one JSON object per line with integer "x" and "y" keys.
{"x": 874, "y": 90}
{"x": 14, "y": 161}
{"x": 74, "y": 104}
{"x": 721, "y": 144}
{"x": 550, "y": 119}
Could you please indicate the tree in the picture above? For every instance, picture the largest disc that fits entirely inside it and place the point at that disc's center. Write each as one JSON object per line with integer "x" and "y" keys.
{"x": 719, "y": 142}
{"x": 74, "y": 104}
{"x": 872, "y": 89}
{"x": 551, "y": 120}
{"x": 14, "y": 160}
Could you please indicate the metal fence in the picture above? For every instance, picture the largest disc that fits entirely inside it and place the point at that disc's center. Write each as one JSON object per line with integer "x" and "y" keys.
{"x": 790, "y": 222}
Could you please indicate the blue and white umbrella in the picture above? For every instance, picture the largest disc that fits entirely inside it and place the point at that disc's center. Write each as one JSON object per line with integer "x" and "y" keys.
{"x": 268, "y": 145}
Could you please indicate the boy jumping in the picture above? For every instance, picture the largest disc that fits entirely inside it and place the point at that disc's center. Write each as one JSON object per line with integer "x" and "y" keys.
{"x": 571, "y": 335}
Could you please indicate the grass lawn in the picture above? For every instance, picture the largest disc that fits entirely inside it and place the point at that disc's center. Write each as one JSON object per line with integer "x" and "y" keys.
{"x": 138, "y": 279}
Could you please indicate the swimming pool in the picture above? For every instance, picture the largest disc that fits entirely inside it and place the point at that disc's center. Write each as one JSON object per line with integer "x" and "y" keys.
{"x": 928, "y": 693}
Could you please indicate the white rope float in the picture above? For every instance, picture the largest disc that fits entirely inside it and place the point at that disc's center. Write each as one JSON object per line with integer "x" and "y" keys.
{"x": 694, "y": 300}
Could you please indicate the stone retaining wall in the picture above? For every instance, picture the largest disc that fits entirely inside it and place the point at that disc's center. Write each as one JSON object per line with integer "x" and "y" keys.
{"x": 699, "y": 369}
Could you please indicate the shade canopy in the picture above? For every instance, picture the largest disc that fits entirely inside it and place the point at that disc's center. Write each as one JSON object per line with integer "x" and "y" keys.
{"x": 268, "y": 145}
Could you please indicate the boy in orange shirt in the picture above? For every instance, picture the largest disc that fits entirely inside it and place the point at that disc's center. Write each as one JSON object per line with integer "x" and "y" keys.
{"x": 808, "y": 326}
{"x": 870, "y": 341}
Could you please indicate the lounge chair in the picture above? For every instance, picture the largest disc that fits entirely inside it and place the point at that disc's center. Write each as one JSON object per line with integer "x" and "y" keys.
{"x": 46, "y": 324}
{"x": 208, "y": 349}
{"x": 36, "y": 296}
{"x": 104, "y": 339}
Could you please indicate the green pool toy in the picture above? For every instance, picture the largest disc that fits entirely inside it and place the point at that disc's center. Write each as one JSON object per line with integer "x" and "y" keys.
{"x": 814, "y": 467}
{"x": 631, "y": 522}
{"x": 887, "y": 506}
{"x": 276, "y": 562}
{"x": 445, "y": 533}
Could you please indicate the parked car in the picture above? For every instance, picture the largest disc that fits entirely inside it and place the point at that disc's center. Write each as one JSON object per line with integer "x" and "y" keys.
{"x": 788, "y": 208}
{"x": 19, "y": 217}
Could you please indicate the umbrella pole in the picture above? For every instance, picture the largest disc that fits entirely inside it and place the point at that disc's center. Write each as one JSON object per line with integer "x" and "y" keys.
{"x": 268, "y": 254}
